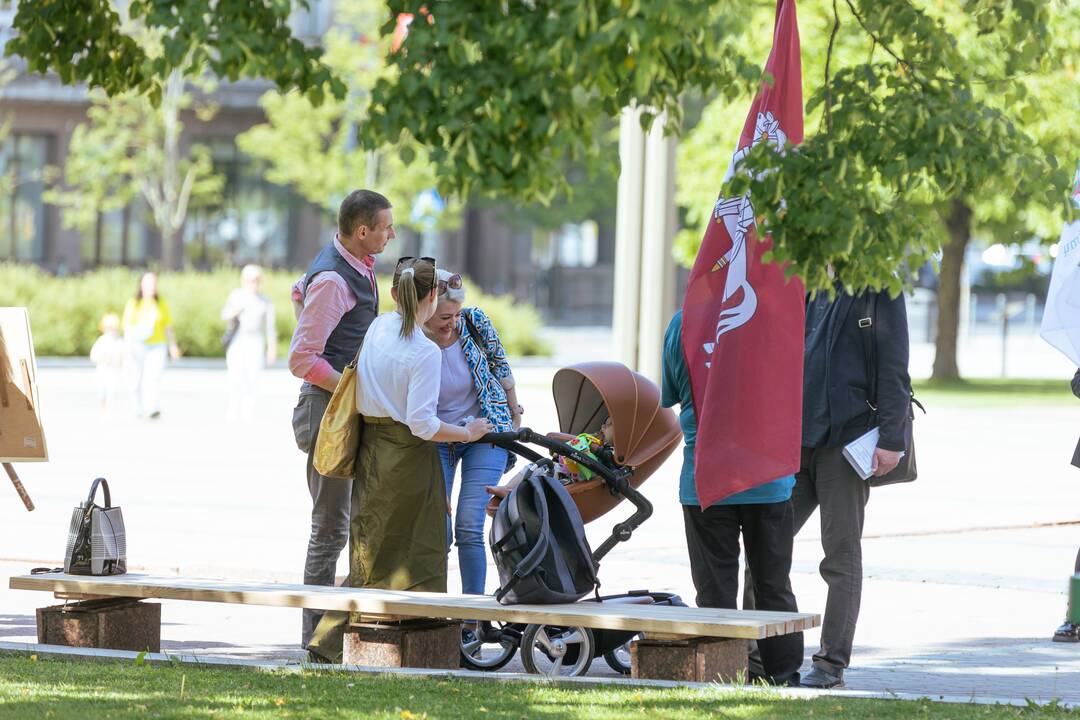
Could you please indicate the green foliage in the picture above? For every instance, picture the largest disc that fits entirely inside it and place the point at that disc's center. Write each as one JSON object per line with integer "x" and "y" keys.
{"x": 918, "y": 104}
{"x": 65, "y": 312}
{"x": 1026, "y": 278}
{"x": 86, "y": 41}
{"x": 94, "y": 174}
{"x": 994, "y": 392}
{"x": 313, "y": 146}
{"x": 127, "y": 148}
{"x": 503, "y": 94}
{"x": 131, "y": 145}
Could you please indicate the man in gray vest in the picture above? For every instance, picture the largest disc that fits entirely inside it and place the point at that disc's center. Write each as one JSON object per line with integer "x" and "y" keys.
{"x": 337, "y": 299}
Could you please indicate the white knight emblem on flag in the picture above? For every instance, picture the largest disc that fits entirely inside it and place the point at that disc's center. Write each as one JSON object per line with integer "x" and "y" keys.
{"x": 737, "y": 214}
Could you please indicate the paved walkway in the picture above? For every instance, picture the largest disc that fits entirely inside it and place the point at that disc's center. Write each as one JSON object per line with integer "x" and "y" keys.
{"x": 965, "y": 580}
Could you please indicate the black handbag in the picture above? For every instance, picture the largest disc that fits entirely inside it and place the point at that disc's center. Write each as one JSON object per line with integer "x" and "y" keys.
{"x": 97, "y": 542}
{"x": 906, "y": 470}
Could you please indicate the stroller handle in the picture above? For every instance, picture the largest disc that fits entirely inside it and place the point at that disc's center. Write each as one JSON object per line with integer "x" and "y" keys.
{"x": 617, "y": 480}
{"x": 512, "y": 440}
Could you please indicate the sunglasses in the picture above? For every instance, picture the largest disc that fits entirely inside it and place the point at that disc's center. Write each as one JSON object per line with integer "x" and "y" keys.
{"x": 453, "y": 283}
{"x": 407, "y": 258}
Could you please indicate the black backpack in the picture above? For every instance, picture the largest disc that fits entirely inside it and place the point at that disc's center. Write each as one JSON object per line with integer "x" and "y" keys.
{"x": 538, "y": 541}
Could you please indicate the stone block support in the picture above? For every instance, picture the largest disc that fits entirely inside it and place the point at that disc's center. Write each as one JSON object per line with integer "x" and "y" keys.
{"x": 691, "y": 660}
{"x": 405, "y": 644}
{"x": 114, "y": 624}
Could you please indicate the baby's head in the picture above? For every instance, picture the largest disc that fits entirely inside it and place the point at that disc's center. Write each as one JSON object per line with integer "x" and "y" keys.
{"x": 607, "y": 432}
{"x": 110, "y": 324}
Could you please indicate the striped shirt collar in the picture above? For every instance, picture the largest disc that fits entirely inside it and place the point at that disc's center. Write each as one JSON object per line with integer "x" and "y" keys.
{"x": 363, "y": 265}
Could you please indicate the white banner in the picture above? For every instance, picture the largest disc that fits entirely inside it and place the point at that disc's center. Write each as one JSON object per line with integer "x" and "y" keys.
{"x": 1061, "y": 317}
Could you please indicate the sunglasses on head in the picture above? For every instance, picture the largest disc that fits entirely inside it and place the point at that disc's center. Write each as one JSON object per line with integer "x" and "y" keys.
{"x": 453, "y": 283}
{"x": 407, "y": 258}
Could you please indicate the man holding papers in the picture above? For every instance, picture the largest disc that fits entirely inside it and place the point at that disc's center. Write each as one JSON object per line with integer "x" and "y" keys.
{"x": 836, "y": 411}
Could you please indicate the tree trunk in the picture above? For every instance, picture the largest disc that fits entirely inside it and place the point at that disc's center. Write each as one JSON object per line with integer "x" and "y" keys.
{"x": 125, "y": 236}
{"x": 171, "y": 249}
{"x": 171, "y": 212}
{"x": 98, "y": 234}
{"x": 958, "y": 224}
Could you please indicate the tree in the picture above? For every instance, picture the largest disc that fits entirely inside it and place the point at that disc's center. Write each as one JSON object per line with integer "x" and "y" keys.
{"x": 1004, "y": 211}
{"x": 313, "y": 147}
{"x": 903, "y": 127}
{"x": 503, "y": 94}
{"x": 996, "y": 159}
{"x": 94, "y": 178}
{"x": 89, "y": 41}
{"x": 128, "y": 147}
{"x": 132, "y": 143}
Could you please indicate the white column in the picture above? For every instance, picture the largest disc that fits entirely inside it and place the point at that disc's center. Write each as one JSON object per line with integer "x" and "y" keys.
{"x": 657, "y": 280}
{"x": 628, "y": 238}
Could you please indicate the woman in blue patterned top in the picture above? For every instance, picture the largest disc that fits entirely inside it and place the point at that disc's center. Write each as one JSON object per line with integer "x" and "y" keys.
{"x": 476, "y": 382}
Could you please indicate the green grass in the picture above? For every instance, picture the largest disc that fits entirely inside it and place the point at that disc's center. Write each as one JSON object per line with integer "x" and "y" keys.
{"x": 53, "y": 688}
{"x": 996, "y": 392}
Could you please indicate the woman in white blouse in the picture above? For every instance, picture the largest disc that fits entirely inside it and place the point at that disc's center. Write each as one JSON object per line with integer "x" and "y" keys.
{"x": 397, "y": 537}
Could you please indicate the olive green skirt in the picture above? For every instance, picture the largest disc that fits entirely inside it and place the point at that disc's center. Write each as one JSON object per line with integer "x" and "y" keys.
{"x": 397, "y": 537}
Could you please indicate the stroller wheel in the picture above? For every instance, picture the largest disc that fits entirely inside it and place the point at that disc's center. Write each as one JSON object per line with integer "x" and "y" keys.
{"x": 488, "y": 646}
{"x": 557, "y": 651}
{"x": 618, "y": 658}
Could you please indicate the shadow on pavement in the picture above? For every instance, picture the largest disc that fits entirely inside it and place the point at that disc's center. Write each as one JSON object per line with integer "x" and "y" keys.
{"x": 18, "y": 626}
{"x": 1011, "y": 667}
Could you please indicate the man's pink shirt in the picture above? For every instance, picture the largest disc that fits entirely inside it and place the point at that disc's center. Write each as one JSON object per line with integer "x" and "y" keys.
{"x": 328, "y": 298}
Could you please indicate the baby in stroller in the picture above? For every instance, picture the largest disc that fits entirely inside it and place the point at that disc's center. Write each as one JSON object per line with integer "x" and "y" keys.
{"x": 596, "y": 448}
{"x": 568, "y": 471}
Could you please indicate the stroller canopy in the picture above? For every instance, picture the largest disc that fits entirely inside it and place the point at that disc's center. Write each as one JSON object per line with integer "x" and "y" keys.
{"x": 645, "y": 433}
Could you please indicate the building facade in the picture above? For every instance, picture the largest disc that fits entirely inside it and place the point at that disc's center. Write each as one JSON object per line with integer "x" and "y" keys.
{"x": 566, "y": 273}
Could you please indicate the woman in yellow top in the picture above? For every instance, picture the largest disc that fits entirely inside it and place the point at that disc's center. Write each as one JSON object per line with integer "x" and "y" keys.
{"x": 149, "y": 334}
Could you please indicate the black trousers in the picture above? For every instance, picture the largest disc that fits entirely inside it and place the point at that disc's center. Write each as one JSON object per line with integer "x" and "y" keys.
{"x": 712, "y": 538}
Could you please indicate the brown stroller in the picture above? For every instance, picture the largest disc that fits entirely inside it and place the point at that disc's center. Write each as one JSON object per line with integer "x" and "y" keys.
{"x": 645, "y": 434}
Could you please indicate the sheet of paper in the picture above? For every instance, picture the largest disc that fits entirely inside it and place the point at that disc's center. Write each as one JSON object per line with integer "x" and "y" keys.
{"x": 860, "y": 453}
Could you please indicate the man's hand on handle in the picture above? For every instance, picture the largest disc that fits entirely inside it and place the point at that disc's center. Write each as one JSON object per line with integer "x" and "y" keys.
{"x": 884, "y": 461}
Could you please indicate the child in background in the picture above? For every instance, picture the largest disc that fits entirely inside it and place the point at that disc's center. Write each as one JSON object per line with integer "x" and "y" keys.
{"x": 108, "y": 354}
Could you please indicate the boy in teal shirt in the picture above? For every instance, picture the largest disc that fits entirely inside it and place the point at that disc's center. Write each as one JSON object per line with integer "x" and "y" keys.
{"x": 762, "y": 515}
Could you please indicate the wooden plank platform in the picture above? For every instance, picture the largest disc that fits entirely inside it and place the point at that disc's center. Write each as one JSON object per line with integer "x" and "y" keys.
{"x": 696, "y": 622}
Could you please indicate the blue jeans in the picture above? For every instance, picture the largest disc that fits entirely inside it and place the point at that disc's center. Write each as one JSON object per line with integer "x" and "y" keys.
{"x": 481, "y": 465}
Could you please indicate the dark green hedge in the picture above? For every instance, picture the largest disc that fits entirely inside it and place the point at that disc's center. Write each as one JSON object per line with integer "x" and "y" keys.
{"x": 65, "y": 312}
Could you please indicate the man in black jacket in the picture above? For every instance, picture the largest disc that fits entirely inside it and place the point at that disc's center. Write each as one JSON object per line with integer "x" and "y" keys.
{"x": 1070, "y": 631}
{"x": 837, "y": 410}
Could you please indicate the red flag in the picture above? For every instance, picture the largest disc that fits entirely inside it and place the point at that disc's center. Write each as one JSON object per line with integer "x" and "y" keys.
{"x": 742, "y": 327}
